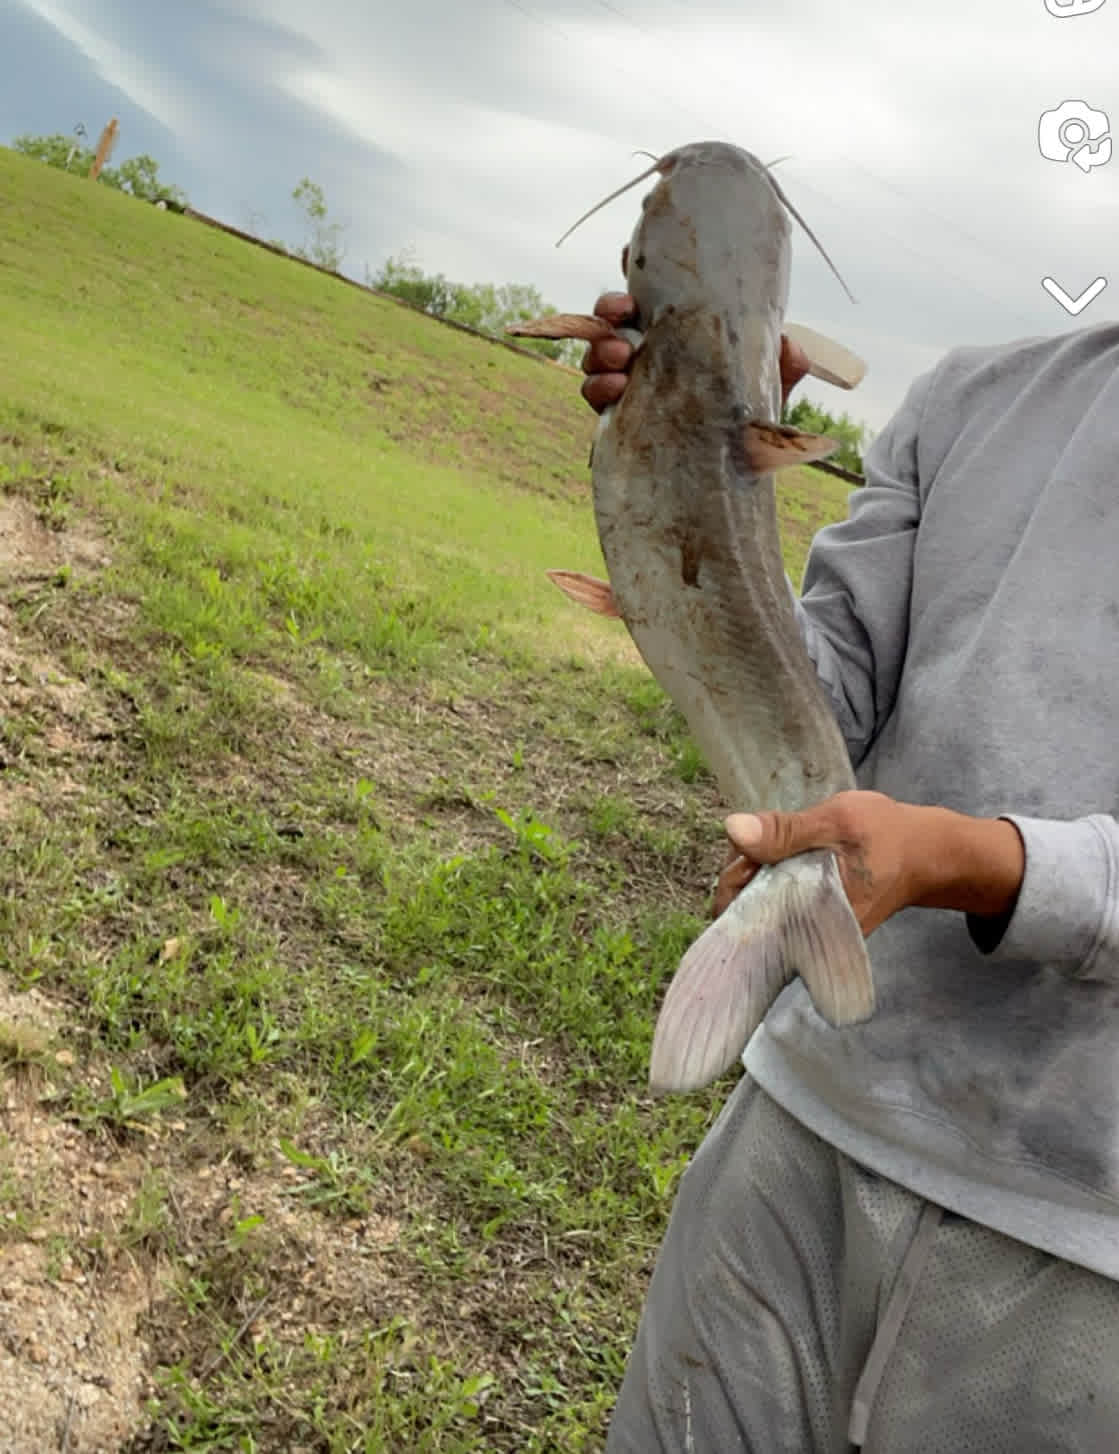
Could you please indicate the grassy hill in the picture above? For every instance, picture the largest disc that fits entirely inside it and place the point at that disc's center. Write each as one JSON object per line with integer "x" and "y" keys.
{"x": 342, "y": 862}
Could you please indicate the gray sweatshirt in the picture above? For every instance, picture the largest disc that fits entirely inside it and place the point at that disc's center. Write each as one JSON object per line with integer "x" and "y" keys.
{"x": 965, "y": 620}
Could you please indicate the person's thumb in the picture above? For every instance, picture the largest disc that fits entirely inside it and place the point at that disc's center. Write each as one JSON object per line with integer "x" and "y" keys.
{"x": 770, "y": 837}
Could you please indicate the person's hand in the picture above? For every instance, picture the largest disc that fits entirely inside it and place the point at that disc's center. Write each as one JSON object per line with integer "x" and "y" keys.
{"x": 606, "y": 362}
{"x": 871, "y": 835}
{"x": 891, "y": 855}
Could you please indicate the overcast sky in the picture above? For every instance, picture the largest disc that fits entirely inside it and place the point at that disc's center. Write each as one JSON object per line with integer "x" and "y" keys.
{"x": 472, "y": 132}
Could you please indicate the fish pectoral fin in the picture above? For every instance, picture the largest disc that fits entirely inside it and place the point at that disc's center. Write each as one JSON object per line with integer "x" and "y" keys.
{"x": 563, "y": 325}
{"x": 793, "y": 916}
{"x": 827, "y": 359}
{"x": 589, "y": 591}
{"x": 777, "y": 446}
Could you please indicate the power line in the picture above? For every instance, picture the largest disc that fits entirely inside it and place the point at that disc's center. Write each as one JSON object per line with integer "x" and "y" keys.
{"x": 641, "y": 78}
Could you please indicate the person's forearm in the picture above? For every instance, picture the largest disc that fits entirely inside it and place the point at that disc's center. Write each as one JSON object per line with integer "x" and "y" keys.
{"x": 973, "y": 865}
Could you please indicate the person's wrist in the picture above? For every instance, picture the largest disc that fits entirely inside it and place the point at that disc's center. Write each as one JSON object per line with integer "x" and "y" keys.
{"x": 973, "y": 865}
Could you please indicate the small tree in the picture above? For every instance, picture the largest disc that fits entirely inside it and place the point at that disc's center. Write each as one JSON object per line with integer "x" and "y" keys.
{"x": 139, "y": 177}
{"x": 489, "y": 309}
{"x": 325, "y": 247}
{"x": 57, "y": 150}
{"x": 403, "y": 279}
{"x": 483, "y": 306}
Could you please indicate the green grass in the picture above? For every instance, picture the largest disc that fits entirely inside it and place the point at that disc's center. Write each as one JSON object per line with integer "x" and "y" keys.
{"x": 359, "y": 855}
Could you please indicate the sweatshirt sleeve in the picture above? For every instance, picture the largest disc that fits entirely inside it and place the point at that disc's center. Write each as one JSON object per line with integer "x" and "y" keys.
{"x": 854, "y": 606}
{"x": 1067, "y": 912}
{"x": 854, "y": 618}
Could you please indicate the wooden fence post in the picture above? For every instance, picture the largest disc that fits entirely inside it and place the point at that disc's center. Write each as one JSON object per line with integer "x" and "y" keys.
{"x": 104, "y": 147}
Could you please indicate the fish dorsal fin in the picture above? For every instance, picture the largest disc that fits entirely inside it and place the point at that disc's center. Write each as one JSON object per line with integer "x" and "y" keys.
{"x": 777, "y": 446}
{"x": 827, "y": 359}
{"x": 589, "y": 591}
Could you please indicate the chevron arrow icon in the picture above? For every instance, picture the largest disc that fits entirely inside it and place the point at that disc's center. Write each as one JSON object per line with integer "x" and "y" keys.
{"x": 1074, "y": 305}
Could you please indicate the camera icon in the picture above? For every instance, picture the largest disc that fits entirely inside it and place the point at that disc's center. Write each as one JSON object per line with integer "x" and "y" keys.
{"x": 1075, "y": 132}
{"x": 1062, "y": 9}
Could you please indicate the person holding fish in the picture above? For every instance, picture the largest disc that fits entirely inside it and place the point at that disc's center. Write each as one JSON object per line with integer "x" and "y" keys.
{"x": 902, "y": 1232}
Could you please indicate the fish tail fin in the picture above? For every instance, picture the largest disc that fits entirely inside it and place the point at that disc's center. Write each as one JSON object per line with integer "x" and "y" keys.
{"x": 792, "y": 917}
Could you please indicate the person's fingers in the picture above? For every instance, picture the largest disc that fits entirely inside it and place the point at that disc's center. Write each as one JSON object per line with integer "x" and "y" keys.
{"x": 733, "y": 879}
{"x": 601, "y": 390}
{"x": 607, "y": 356}
{"x": 794, "y": 364}
{"x": 616, "y": 308}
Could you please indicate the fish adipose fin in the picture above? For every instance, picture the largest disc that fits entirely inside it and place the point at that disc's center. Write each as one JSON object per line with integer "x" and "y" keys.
{"x": 777, "y": 446}
{"x": 827, "y": 359}
{"x": 792, "y": 917}
{"x": 589, "y": 591}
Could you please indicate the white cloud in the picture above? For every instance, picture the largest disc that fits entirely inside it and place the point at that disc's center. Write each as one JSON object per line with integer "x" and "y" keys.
{"x": 151, "y": 87}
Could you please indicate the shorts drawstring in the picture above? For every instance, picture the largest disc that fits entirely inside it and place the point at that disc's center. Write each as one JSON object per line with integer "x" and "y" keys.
{"x": 886, "y": 1334}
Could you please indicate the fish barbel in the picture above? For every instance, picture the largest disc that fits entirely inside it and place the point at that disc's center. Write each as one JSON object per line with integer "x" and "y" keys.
{"x": 685, "y": 504}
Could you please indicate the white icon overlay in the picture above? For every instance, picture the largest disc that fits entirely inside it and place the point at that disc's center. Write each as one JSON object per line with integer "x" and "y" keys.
{"x": 1063, "y": 9}
{"x": 1075, "y": 132}
{"x": 1078, "y": 304}
{"x": 1078, "y": 133}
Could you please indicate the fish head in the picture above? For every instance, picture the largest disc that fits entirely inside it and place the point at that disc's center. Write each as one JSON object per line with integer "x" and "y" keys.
{"x": 713, "y": 226}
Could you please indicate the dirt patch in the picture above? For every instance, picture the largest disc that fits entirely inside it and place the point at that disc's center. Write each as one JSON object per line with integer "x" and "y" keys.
{"x": 38, "y": 680}
{"x": 30, "y": 550}
{"x": 71, "y": 1364}
{"x": 96, "y": 1238}
{"x": 53, "y": 726}
{"x": 45, "y": 712}
{"x": 71, "y": 1360}
{"x": 319, "y": 1271}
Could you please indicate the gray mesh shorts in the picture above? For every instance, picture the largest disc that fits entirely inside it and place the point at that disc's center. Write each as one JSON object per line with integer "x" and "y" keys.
{"x": 803, "y": 1305}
